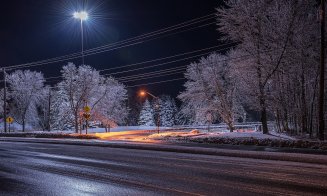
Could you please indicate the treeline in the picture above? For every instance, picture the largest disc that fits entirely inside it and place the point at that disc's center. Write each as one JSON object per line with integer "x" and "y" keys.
{"x": 272, "y": 68}
{"x": 61, "y": 107}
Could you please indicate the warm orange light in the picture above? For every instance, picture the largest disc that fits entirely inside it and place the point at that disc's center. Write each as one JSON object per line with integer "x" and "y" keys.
{"x": 142, "y": 93}
{"x": 134, "y": 135}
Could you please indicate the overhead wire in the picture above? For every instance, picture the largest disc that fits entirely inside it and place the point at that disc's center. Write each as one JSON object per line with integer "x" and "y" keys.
{"x": 242, "y": 57}
{"x": 159, "y": 82}
{"x": 107, "y": 47}
{"x": 153, "y": 73}
{"x": 152, "y": 76}
{"x": 221, "y": 48}
{"x": 231, "y": 44}
{"x": 136, "y": 40}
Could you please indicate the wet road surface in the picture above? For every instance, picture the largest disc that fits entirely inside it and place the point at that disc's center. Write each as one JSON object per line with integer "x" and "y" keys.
{"x": 54, "y": 169}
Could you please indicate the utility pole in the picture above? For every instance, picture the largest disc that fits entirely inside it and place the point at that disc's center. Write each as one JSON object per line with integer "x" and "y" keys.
{"x": 322, "y": 73}
{"x": 82, "y": 36}
{"x": 49, "y": 111}
{"x": 158, "y": 118}
{"x": 5, "y": 100}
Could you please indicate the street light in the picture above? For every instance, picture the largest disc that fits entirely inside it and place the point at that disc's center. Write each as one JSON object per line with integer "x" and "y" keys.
{"x": 143, "y": 94}
{"x": 82, "y": 16}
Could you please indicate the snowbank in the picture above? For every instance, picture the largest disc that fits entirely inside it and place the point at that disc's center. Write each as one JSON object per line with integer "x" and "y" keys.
{"x": 237, "y": 138}
{"x": 17, "y": 128}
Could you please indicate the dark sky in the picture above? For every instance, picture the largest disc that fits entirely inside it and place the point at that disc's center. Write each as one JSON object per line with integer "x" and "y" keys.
{"x": 33, "y": 30}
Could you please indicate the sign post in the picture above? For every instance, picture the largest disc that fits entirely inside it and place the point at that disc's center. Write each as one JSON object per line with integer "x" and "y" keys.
{"x": 9, "y": 120}
{"x": 87, "y": 116}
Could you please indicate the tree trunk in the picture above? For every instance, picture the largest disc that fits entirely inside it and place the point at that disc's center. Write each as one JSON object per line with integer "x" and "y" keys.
{"x": 278, "y": 121}
{"x": 263, "y": 112}
{"x": 230, "y": 127}
{"x": 264, "y": 120}
{"x": 304, "y": 116}
{"x": 23, "y": 125}
{"x": 262, "y": 100}
{"x": 76, "y": 122}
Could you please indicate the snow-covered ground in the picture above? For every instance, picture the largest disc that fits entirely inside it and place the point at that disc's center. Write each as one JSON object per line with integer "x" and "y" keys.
{"x": 143, "y": 132}
{"x": 17, "y": 128}
{"x": 125, "y": 128}
{"x": 195, "y": 134}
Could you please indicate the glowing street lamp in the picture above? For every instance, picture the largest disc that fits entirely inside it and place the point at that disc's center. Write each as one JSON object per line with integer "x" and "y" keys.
{"x": 82, "y": 16}
{"x": 143, "y": 94}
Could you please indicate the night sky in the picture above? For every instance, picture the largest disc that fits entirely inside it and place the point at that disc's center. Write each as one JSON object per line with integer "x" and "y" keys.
{"x": 33, "y": 30}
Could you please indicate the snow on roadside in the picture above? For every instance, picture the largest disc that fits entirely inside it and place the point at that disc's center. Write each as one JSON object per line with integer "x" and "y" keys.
{"x": 240, "y": 138}
{"x": 210, "y": 135}
{"x": 17, "y": 129}
{"x": 256, "y": 135}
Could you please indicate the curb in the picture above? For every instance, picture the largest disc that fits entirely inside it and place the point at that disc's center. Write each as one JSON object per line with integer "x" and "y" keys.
{"x": 277, "y": 156}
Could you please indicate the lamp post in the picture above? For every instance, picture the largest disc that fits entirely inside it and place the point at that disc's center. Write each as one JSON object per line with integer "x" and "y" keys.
{"x": 144, "y": 93}
{"x": 82, "y": 16}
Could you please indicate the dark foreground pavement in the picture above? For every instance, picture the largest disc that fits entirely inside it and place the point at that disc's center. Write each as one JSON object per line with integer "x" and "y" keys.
{"x": 59, "y": 169}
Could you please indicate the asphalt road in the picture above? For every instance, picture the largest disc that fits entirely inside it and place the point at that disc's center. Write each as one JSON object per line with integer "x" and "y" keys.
{"x": 53, "y": 169}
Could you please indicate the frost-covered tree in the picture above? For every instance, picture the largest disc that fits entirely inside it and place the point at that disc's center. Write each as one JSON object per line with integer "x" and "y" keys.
{"x": 168, "y": 111}
{"x": 44, "y": 110}
{"x": 26, "y": 91}
{"x": 109, "y": 103}
{"x": 78, "y": 84}
{"x": 1, "y": 99}
{"x": 61, "y": 117}
{"x": 211, "y": 90}
{"x": 83, "y": 86}
{"x": 265, "y": 32}
{"x": 185, "y": 115}
{"x": 147, "y": 114}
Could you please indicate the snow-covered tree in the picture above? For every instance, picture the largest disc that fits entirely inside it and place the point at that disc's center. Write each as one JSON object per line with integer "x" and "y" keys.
{"x": 44, "y": 110}
{"x": 168, "y": 111}
{"x": 1, "y": 99}
{"x": 211, "y": 90}
{"x": 185, "y": 115}
{"x": 147, "y": 114}
{"x": 61, "y": 117}
{"x": 79, "y": 84}
{"x": 26, "y": 91}
{"x": 109, "y": 103}
{"x": 265, "y": 32}
{"x": 83, "y": 86}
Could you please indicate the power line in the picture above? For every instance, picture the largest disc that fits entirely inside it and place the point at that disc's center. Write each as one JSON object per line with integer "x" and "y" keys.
{"x": 153, "y": 76}
{"x": 107, "y": 47}
{"x": 227, "y": 46}
{"x": 164, "y": 81}
{"x": 159, "y": 64}
{"x": 153, "y": 73}
{"x": 234, "y": 58}
{"x": 228, "y": 59}
{"x": 173, "y": 56}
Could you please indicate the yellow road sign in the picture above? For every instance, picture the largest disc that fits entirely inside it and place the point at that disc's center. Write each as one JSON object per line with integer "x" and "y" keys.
{"x": 9, "y": 119}
{"x": 87, "y": 109}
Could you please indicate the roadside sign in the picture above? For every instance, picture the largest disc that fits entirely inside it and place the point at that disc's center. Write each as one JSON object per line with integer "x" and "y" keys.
{"x": 87, "y": 116}
{"x": 87, "y": 109}
{"x": 9, "y": 119}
